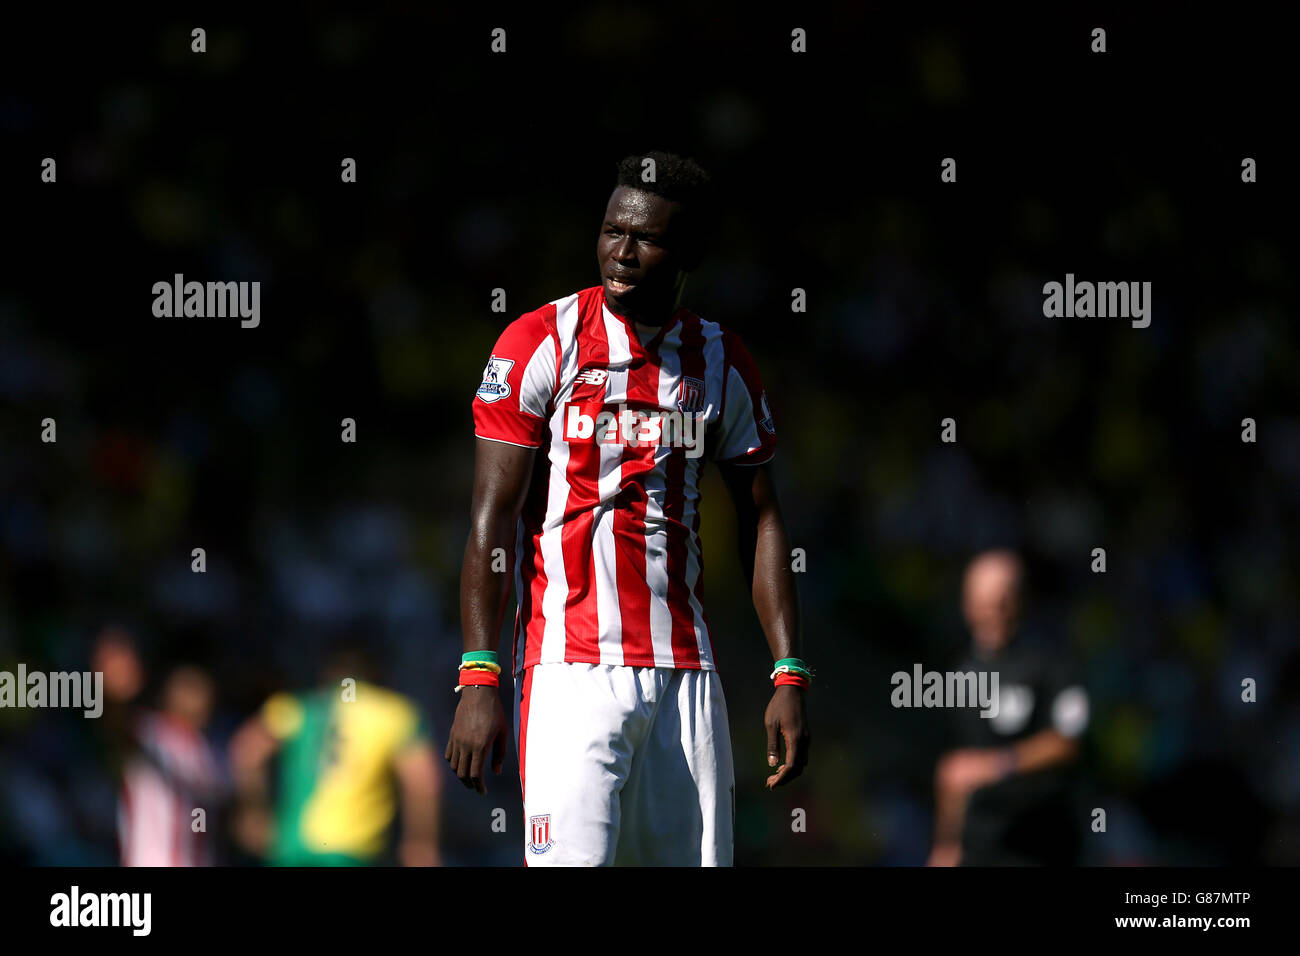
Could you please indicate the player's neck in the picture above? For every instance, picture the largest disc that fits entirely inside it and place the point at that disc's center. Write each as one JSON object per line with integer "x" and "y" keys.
{"x": 651, "y": 315}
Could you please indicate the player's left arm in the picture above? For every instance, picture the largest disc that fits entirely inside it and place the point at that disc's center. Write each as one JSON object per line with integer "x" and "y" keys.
{"x": 416, "y": 768}
{"x": 250, "y": 752}
{"x": 415, "y": 764}
{"x": 765, "y": 559}
{"x": 1047, "y": 748}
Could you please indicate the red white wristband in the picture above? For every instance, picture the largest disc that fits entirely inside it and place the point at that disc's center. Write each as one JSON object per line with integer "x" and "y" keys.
{"x": 471, "y": 678}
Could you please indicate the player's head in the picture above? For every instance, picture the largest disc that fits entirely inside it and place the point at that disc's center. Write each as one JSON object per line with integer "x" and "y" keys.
{"x": 188, "y": 694}
{"x": 991, "y": 598}
{"x": 348, "y": 655}
{"x": 655, "y": 230}
{"x": 116, "y": 656}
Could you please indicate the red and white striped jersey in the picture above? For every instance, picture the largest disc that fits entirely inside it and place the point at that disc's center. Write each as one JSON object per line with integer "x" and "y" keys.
{"x": 608, "y": 566}
{"x": 172, "y": 772}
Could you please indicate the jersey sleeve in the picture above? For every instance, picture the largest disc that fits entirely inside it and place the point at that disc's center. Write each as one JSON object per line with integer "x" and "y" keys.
{"x": 282, "y": 714}
{"x": 746, "y": 430}
{"x": 1068, "y": 699}
{"x": 513, "y": 400}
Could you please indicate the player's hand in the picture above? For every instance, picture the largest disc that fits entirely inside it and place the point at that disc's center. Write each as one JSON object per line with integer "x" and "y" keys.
{"x": 479, "y": 726}
{"x": 787, "y": 722}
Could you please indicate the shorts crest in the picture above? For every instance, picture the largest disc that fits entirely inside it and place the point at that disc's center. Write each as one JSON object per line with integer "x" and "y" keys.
{"x": 540, "y": 839}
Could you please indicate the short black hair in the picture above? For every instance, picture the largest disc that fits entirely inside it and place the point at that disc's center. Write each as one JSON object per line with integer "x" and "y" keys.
{"x": 680, "y": 179}
{"x": 348, "y": 653}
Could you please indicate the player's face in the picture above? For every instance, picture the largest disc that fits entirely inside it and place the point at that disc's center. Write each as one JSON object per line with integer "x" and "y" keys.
{"x": 991, "y": 604}
{"x": 637, "y": 255}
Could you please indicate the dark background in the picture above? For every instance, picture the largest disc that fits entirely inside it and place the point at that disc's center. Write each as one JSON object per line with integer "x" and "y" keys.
{"x": 478, "y": 171}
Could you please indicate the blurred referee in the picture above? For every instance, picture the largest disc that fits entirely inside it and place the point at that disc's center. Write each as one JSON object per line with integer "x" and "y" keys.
{"x": 1005, "y": 796}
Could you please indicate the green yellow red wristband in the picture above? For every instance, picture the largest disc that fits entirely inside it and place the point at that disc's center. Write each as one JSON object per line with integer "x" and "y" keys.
{"x": 792, "y": 665}
{"x": 478, "y": 668}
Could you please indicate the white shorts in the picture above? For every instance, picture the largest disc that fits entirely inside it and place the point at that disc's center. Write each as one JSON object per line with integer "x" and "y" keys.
{"x": 624, "y": 765}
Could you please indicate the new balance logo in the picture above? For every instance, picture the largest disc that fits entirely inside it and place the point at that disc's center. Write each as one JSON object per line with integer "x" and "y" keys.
{"x": 592, "y": 376}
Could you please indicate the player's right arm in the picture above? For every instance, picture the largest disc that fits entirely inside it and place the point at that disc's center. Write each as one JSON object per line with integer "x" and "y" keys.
{"x": 510, "y": 413}
{"x": 420, "y": 784}
{"x": 501, "y": 473}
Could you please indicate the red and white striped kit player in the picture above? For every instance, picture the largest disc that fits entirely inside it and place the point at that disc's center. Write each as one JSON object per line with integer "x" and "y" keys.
{"x": 608, "y": 565}
{"x": 172, "y": 772}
